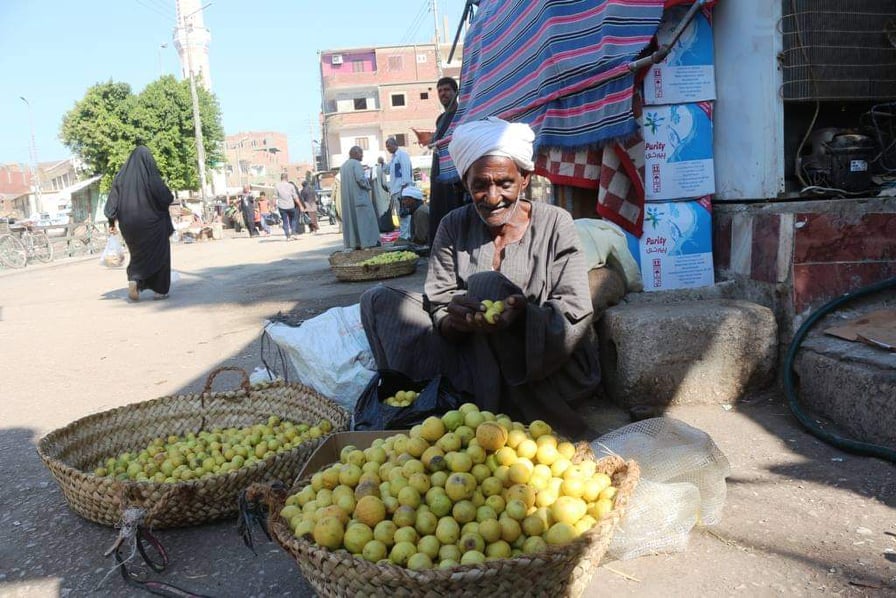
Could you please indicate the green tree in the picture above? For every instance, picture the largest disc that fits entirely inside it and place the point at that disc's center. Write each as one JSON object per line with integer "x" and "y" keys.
{"x": 98, "y": 130}
{"x": 103, "y": 127}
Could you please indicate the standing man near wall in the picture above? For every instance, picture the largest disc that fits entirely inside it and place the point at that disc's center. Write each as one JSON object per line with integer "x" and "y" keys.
{"x": 401, "y": 175}
{"x": 443, "y": 197}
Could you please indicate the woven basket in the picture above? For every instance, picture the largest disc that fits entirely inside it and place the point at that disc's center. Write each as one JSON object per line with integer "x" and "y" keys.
{"x": 71, "y": 453}
{"x": 559, "y": 571}
{"x": 347, "y": 267}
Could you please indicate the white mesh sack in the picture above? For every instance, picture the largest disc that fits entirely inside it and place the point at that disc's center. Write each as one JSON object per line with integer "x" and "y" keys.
{"x": 682, "y": 484}
{"x": 658, "y": 518}
{"x": 669, "y": 450}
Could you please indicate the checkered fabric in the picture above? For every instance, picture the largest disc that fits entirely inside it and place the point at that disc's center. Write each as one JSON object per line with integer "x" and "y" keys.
{"x": 576, "y": 168}
{"x": 620, "y": 197}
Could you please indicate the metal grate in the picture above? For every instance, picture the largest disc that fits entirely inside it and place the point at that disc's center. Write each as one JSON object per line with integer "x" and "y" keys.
{"x": 839, "y": 50}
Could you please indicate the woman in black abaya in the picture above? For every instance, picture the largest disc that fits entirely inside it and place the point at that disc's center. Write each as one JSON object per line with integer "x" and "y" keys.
{"x": 138, "y": 206}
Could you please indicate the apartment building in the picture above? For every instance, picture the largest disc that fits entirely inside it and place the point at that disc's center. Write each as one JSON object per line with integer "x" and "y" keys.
{"x": 373, "y": 93}
{"x": 255, "y": 157}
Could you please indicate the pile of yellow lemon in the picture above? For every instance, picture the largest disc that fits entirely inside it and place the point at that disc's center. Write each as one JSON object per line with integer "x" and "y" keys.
{"x": 389, "y": 257}
{"x": 402, "y": 398}
{"x": 493, "y": 309}
{"x": 464, "y": 488}
{"x": 202, "y": 455}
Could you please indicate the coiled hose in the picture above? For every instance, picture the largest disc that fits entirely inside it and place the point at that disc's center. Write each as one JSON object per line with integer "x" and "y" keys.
{"x": 847, "y": 444}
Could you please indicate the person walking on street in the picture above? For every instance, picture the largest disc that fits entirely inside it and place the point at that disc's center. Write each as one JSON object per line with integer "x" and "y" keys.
{"x": 138, "y": 205}
{"x": 309, "y": 201}
{"x": 247, "y": 208}
{"x": 298, "y": 226}
{"x": 287, "y": 200}
{"x": 401, "y": 175}
{"x": 443, "y": 197}
{"x": 359, "y": 225}
{"x": 263, "y": 208}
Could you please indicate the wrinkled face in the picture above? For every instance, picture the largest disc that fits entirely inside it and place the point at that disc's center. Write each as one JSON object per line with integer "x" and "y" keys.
{"x": 495, "y": 184}
{"x": 446, "y": 94}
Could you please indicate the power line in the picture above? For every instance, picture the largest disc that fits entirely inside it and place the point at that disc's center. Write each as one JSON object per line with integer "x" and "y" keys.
{"x": 416, "y": 23}
{"x": 152, "y": 9}
{"x": 164, "y": 6}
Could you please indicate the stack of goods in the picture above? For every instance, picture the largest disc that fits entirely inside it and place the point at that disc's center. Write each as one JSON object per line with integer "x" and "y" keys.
{"x": 675, "y": 250}
{"x": 185, "y": 459}
{"x": 467, "y": 501}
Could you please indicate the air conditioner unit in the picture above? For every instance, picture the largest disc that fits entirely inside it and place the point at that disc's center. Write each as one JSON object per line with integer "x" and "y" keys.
{"x": 336, "y": 59}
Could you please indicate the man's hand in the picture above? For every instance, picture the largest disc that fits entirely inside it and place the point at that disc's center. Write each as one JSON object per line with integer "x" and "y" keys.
{"x": 466, "y": 315}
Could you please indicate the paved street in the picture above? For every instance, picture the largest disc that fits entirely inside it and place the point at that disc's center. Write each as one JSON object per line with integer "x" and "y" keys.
{"x": 801, "y": 518}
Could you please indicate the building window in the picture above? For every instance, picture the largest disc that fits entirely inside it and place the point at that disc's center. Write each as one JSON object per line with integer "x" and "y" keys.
{"x": 397, "y": 100}
{"x": 400, "y": 139}
{"x": 424, "y": 95}
{"x": 362, "y": 142}
{"x": 360, "y": 103}
{"x": 421, "y": 58}
{"x": 357, "y": 66}
{"x": 395, "y": 63}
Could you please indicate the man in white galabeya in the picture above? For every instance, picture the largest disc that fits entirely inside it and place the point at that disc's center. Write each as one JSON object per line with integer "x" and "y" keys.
{"x": 401, "y": 175}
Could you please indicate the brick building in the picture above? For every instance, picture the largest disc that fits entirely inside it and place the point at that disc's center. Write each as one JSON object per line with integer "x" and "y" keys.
{"x": 371, "y": 94}
{"x": 261, "y": 155}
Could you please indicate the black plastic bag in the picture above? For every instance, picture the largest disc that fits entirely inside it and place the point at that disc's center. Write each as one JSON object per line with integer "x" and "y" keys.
{"x": 436, "y": 397}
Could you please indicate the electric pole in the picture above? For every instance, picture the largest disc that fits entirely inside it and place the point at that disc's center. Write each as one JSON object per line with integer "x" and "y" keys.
{"x": 35, "y": 166}
{"x": 435, "y": 18}
{"x": 197, "y": 121}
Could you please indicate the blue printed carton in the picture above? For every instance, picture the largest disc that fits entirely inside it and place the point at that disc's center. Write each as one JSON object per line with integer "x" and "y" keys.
{"x": 678, "y": 151}
{"x": 688, "y": 73}
{"x": 675, "y": 251}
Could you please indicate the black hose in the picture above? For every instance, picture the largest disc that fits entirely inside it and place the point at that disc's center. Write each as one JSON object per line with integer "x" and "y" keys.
{"x": 847, "y": 444}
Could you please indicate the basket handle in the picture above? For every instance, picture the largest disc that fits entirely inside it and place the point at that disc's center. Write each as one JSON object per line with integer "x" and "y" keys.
{"x": 244, "y": 384}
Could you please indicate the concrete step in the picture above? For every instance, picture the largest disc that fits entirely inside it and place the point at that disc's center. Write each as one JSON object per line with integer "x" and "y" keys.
{"x": 852, "y": 384}
{"x": 689, "y": 352}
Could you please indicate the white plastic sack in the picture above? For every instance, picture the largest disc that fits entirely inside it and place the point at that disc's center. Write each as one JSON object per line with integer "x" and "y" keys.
{"x": 682, "y": 484}
{"x": 261, "y": 374}
{"x": 330, "y": 353}
{"x": 113, "y": 253}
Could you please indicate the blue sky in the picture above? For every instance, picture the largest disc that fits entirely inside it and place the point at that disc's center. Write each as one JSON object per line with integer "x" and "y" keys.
{"x": 263, "y": 57}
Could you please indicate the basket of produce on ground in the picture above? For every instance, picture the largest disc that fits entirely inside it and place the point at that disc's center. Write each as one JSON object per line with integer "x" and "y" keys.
{"x": 469, "y": 504}
{"x": 372, "y": 264}
{"x": 184, "y": 459}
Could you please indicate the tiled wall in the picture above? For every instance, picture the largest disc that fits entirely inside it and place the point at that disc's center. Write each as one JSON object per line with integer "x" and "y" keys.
{"x": 816, "y": 250}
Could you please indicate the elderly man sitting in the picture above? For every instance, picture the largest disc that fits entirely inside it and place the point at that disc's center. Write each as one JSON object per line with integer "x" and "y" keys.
{"x": 537, "y": 359}
{"x": 412, "y": 206}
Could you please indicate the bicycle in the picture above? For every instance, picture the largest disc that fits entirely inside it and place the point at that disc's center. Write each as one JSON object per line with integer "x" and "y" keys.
{"x": 92, "y": 237}
{"x": 16, "y": 251}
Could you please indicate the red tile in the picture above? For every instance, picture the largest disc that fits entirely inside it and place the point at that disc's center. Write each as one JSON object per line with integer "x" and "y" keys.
{"x": 836, "y": 238}
{"x": 816, "y": 284}
{"x": 764, "y": 254}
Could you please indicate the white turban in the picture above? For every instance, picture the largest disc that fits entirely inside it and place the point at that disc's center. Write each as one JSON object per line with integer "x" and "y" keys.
{"x": 413, "y": 192}
{"x": 491, "y": 137}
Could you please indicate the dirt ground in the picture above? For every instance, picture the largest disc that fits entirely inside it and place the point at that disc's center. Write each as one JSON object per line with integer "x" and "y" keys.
{"x": 801, "y": 518}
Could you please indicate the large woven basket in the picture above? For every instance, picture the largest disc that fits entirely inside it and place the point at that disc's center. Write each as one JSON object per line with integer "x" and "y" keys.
{"x": 559, "y": 571}
{"x": 71, "y": 453}
{"x": 346, "y": 265}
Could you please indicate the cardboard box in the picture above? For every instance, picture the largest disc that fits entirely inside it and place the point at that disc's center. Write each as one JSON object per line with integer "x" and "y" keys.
{"x": 687, "y": 74}
{"x": 328, "y": 451}
{"x": 678, "y": 151}
{"x": 675, "y": 251}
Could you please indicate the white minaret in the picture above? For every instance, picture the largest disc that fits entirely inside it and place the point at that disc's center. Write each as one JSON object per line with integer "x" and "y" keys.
{"x": 191, "y": 39}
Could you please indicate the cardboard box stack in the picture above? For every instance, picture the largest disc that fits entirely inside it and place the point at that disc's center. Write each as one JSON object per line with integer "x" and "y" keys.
{"x": 675, "y": 250}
